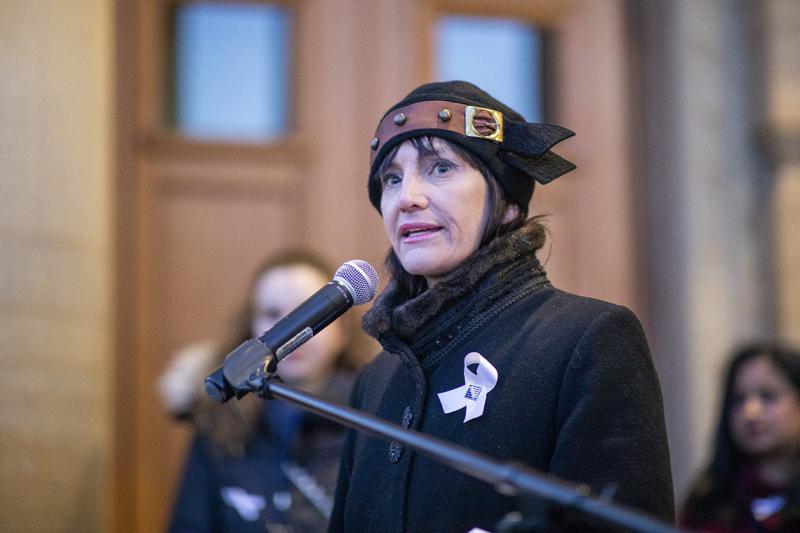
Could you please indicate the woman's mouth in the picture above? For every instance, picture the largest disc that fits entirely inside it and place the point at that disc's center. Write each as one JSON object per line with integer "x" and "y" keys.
{"x": 415, "y": 232}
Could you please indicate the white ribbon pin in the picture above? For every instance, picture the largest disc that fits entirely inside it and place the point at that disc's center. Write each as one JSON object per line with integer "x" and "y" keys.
{"x": 472, "y": 394}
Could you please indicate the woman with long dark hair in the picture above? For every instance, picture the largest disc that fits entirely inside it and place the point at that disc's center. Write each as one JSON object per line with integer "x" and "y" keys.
{"x": 753, "y": 481}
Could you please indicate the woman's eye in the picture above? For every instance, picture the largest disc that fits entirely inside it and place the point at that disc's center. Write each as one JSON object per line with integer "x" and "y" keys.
{"x": 442, "y": 167}
{"x": 389, "y": 180}
{"x": 271, "y": 315}
{"x": 737, "y": 400}
{"x": 768, "y": 396}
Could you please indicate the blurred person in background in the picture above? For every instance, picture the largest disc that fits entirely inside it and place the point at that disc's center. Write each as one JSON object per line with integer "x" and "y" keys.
{"x": 257, "y": 465}
{"x": 753, "y": 481}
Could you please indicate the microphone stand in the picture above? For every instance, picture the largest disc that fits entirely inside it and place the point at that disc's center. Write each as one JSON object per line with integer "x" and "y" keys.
{"x": 508, "y": 478}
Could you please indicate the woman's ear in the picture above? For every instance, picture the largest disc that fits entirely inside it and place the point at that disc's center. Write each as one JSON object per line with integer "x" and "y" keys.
{"x": 512, "y": 211}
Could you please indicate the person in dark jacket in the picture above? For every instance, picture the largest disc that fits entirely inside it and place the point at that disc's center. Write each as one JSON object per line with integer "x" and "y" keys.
{"x": 479, "y": 348}
{"x": 257, "y": 465}
{"x": 753, "y": 481}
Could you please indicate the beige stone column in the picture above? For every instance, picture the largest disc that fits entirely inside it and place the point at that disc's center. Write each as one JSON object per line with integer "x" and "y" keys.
{"x": 708, "y": 238}
{"x": 55, "y": 76}
{"x": 782, "y": 91}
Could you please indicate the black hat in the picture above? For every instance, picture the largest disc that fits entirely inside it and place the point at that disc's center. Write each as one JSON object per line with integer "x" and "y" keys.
{"x": 516, "y": 151}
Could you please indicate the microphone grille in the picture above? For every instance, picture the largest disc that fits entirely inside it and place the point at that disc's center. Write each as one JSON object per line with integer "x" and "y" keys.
{"x": 360, "y": 278}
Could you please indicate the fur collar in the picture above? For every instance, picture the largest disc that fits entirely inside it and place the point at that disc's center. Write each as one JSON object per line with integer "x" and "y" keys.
{"x": 393, "y": 310}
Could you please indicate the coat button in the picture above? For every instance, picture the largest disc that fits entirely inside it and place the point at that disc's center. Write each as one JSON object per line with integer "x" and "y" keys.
{"x": 395, "y": 451}
{"x": 407, "y": 415}
{"x": 395, "y": 448}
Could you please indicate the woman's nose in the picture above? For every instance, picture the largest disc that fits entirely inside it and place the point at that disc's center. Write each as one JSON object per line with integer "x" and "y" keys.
{"x": 752, "y": 407}
{"x": 413, "y": 193}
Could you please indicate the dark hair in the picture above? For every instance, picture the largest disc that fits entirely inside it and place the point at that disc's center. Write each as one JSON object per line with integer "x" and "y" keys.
{"x": 710, "y": 497}
{"x": 232, "y": 425}
{"x": 412, "y": 285}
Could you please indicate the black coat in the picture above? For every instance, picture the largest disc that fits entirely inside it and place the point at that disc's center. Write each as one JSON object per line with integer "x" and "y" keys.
{"x": 576, "y": 397}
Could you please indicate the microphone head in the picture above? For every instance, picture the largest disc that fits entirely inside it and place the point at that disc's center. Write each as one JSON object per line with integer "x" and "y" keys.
{"x": 359, "y": 278}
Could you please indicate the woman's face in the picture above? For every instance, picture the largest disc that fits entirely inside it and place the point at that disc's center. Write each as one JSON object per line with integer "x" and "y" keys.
{"x": 276, "y": 293}
{"x": 765, "y": 413}
{"x": 434, "y": 209}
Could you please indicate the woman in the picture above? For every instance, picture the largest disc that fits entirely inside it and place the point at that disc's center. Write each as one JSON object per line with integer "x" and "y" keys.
{"x": 753, "y": 481}
{"x": 256, "y": 465}
{"x": 479, "y": 348}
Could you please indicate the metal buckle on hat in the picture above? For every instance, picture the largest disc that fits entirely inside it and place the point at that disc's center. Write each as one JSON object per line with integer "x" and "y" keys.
{"x": 483, "y": 123}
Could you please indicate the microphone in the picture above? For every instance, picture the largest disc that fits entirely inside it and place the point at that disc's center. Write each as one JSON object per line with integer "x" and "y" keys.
{"x": 354, "y": 283}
